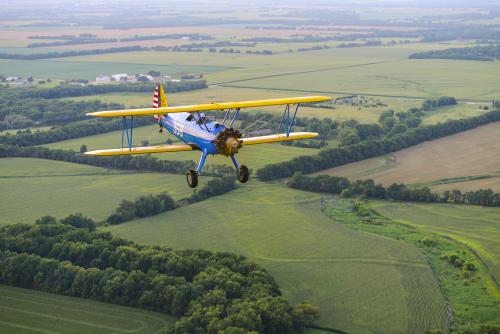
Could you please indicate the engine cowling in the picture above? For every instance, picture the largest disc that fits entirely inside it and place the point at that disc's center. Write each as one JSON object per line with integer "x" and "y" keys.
{"x": 228, "y": 141}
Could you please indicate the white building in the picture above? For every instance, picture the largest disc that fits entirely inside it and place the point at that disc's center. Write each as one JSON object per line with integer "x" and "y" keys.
{"x": 103, "y": 78}
{"x": 120, "y": 76}
{"x": 12, "y": 79}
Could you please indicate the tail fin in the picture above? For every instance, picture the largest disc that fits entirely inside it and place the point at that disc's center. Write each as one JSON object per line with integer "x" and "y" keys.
{"x": 159, "y": 97}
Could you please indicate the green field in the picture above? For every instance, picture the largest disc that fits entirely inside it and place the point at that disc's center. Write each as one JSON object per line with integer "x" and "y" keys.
{"x": 25, "y": 311}
{"x": 475, "y": 226}
{"x": 32, "y": 188}
{"x": 90, "y": 70}
{"x": 364, "y": 70}
{"x": 362, "y": 283}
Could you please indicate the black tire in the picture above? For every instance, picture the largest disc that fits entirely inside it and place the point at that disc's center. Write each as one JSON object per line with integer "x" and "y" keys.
{"x": 192, "y": 178}
{"x": 243, "y": 174}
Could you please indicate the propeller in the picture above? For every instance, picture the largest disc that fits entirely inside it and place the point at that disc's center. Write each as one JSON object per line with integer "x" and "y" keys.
{"x": 228, "y": 141}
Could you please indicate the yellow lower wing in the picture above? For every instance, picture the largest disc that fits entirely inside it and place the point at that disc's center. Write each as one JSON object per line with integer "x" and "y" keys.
{"x": 277, "y": 138}
{"x": 141, "y": 150}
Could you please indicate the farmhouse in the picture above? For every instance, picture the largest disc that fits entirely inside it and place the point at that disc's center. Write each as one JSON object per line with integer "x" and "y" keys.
{"x": 119, "y": 77}
{"x": 103, "y": 78}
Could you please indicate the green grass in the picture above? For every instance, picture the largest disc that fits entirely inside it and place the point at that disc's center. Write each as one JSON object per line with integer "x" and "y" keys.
{"x": 362, "y": 283}
{"x": 472, "y": 296}
{"x": 474, "y": 226}
{"x": 32, "y": 188}
{"x": 28, "y": 311}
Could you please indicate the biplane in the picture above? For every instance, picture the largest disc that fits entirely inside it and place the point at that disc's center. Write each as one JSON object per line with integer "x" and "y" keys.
{"x": 199, "y": 132}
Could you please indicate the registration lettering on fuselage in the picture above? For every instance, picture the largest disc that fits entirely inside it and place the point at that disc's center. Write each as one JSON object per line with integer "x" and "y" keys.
{"x": 178, "y": 129}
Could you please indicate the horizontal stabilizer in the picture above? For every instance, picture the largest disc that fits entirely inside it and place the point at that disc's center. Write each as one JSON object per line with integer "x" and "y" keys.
{"x": 141, "y": 150}
{"x": 209, "y": 106}
{"x": 278, "y": 137}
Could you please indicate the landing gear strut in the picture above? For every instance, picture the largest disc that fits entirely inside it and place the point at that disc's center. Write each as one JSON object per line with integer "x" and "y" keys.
{"x": 192, "y": 178}
{"x": 242, "y": 174}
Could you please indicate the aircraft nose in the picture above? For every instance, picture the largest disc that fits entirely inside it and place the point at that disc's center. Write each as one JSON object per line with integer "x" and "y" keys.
{"x": 232, "y": 145}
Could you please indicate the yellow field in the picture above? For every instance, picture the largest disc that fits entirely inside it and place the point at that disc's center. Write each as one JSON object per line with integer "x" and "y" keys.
{"x": 445, "y": 161}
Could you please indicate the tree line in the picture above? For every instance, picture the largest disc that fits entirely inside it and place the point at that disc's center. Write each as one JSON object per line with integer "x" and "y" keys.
{"x": 482, "y": 53}
{"x": 60, "y": 54}
{"x": 396, "y": 191}
{"x": 72, "y": 91}
{"x": 333, "y": 157}
{"x": 209, "y": 292}
{"x": 150, "y": 205}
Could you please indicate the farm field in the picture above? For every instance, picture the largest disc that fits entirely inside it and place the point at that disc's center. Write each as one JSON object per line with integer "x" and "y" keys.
{"x": 217, "y": 93}
{"x": 58, "y": 189}
{"x": 445, "y": 163}
{"x": 344, "y": 271}
{"x": 415, "y": 78}
{"x": 53, "y": 69}
{"x": 28, "y": 311}
{"x": 337, "y": 71}
{"x": 475, "y": 226}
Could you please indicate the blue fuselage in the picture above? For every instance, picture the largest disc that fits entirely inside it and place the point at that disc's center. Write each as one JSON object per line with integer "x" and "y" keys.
{"x": 192, "y": 132}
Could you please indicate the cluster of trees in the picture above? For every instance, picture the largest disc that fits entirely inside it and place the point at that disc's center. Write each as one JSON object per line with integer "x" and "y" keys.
{"x": 484, "y": 53}
{"x": 139, "y": 162}
{"x": 25, "y": 107}
{"x": 151, "y": 205}
{"x": 60, "y": 54}
{"x": 328, "y": 158}
{"x": 443, "y": 101}
{"x": 195, "y": 36}
{"x": 75, "y": 41}
{"x": 65, "y": 132}
{"x": 209, "y": 292}
{"x": 371, "y": 42}
{"x": 144, "y": 206}
{"x": 45, "y": 112}
{"x": 396, "y": 191}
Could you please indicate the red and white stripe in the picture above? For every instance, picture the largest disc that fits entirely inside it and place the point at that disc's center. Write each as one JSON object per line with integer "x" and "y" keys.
{"x": 155, "y": 98}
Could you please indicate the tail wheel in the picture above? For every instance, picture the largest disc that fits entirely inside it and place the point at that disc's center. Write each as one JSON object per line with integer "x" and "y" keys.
{"x": 192, "y": 178}
{"x": 243, "y": 174}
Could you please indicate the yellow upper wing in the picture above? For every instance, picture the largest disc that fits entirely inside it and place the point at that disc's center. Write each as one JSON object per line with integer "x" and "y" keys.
{"x": 277, "y": 138}
{"x": 209, "y": 106}
{"x": 141, "y": 150}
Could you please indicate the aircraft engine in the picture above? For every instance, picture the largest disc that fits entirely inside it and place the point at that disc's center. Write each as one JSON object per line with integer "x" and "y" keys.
{"x": 228, "y": 141}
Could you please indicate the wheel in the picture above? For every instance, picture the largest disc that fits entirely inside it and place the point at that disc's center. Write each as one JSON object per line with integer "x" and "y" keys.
{"x": 192, "y": 178}
{"x": 243, "y": 174}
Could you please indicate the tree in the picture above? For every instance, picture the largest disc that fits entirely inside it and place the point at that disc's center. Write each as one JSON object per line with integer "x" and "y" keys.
{"x": 83, "y": 148}
{"x": 154, "y": 73}
{"x": 80, "y": 221}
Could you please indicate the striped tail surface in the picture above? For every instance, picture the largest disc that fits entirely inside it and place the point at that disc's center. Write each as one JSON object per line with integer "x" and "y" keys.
{"x": 159, "y": 98}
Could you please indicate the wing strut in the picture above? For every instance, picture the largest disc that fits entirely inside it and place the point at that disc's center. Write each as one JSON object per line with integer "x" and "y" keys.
{"x": 286, "y": 121}
{"x": 126, "y": 132}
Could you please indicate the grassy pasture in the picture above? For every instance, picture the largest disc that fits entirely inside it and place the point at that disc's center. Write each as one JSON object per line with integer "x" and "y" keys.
{"x": 446, "y": 163}
{"x": 32, "y": 188}
{"x": 419, "y": 78}
{"x": 28, "y": 311}
{"x": 473, "y": 297}
{"x": 475, "y": 226}
{"x": 362, "y": 283}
